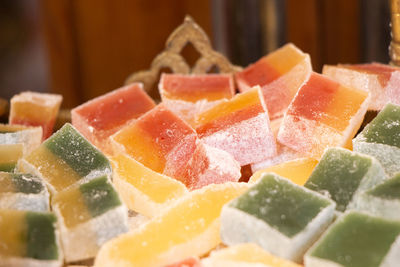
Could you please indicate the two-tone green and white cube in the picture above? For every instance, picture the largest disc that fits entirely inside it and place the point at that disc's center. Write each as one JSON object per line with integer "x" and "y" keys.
{"x": 280, "y": 216}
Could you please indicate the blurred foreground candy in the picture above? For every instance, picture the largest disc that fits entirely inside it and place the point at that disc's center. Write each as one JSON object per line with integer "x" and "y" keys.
{"x": 65, "y": 159}
{"x": 342, "y": 175}
{"x": 298, "y": 171}
{"x": 35, "y": 109}
{"x": 279, "y": 74}
{"x": 142, "y": 189}
{"x": 29, "y": 239}
{"x": 188, "y": 95}
{"x": 381, "y": 139}
{"x": 322, "y": 114}
{"x": 359, "y": 240}
{"x": 89, "y": 214}
{"x": 382, "y": 81}
{"x": 159, "y": 140}
{"x": 246, "y": 254}
{"x": 383, "y": 200}
{"x": 9, "y": 156}
{"x": 101, "y": 117}
{"x": 23, "y": 192}
{"x": 190, "y": 227}
{"x": 283, "y": 218}
{"x": 239, "y": 126}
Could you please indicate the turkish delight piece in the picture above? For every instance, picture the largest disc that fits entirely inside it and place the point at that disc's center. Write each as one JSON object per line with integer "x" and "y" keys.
{"x": 322, "y": 114}
{"x": 357, "y": 239}
{"x": 280, "y": 75}
{"x": 381, "y": 139}
{"x": 103, "y": 116}
{"x": 89, "y": 214}
{"x": 278, "y": 215}
{"x": 342, "y": 174}
{"x": 160, "y": 140}
{"x": 35, "y": 109}
{"x": 188, "y": 95}
{"x": 240, "y": 126}
{"x": 190, "y": 227}
{"x": 189, "y": 262}
{"x": 298, "y": 171}
{"x": 64, "y": 159}
{"x": 383, "y": 200}
{"x": 210, "y": 165}
{"x": 246, "y": 254}
{"x": 380, "y": 80}
{"x": 21, "y": 191}
{"x": 29, "y": 239}
{"x": 9, "y": 156}
{"x": 142, "y": 189}
{"x": 30, "y": 137}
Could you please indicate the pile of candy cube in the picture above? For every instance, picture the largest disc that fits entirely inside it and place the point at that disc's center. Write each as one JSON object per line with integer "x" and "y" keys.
{"x": 132, "y": 183}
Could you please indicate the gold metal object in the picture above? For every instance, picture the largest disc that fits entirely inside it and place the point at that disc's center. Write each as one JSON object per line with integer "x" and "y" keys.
{"x": 188, "y": 32}
{"x": 394, "y": 48}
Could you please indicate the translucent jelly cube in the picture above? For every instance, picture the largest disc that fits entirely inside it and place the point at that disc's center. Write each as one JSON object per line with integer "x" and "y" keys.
{"x": 188, "y": 95}
{"x": 342, "y": 174}
{"x": 190, "y": 227}
{"x": 240, "y": 126}
{"x": 279, "y": 74}
{"x": 278, "y": 215}
{"x": 322, "y": 114}
{"x": 357, "y": 239}
{"x": 142, "y": 189}
{"x": 29, "y": 239}
{"x": 30, "y": 137}
{"x": 9, "y": 156}
{"x": 382, "y": 81}
{"x": 65, "y": 159}
{"x": 298, "y": 171}
{"x": 89, "y": 214}
{"x": 23, "y": 192}
{"x": 381, "y": 139}
{"x": 160, "y": 140}
{"x": 35, "y": 109}
{"x": 210, "y": 165}
{"x": 246, "y": 254}
{"x": 383, "y": 200}
{"x": 103, "y": 116}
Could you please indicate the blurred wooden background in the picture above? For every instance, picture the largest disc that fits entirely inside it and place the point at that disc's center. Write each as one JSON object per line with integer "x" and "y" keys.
{"x": 89, "y": 47}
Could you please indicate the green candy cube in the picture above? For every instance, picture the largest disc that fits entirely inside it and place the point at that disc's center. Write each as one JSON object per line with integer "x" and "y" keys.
{"x": 278, "y": 215}
{"x": 342, "y": 174}
{"x": 357, "y": 240}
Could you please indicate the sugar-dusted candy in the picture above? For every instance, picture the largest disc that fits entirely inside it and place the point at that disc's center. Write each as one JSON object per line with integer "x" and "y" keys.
{"x": 160, "y": 140}
{"x": 89, "y": 214}
{"x": 64, "y": 159}
{"x": 29, "y": 239}
{"x": 342, "y": 174}
{"x": 298, "y": 170}
{"x": 322, "y": 114}
{"x": 280, "y": 216}
{"x": 22, "y": 191}
{"x": 189, "y": 262}
{"x": 239, "y": 126}
{"x": 35, "y": 109}
{"x": 358, "y": 240}
{"x": 187, "y": 95}
{"x": 382, "y": 81}
{"x": 246, "y": 254}
{"x": 142, "y": 189}
{"x": 190, "y": 227}
{"x": 381, "y": 139}
{"x": 210, "y": 165}
{"x": 29, "y": 136}
{"x": 383, "y": 200}
{"x": 9, "y": 156}
{"x": 101, "y": 117}
{"x": 279, "y": 74}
